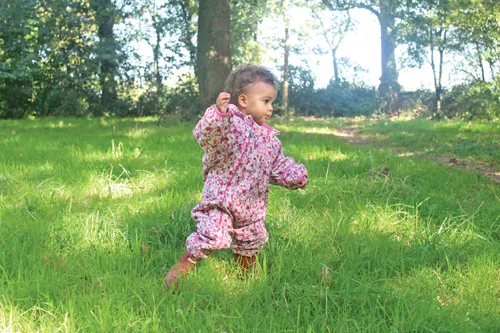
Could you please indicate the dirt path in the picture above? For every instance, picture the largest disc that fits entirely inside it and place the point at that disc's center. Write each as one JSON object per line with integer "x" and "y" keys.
{"x": 351, "y": 135}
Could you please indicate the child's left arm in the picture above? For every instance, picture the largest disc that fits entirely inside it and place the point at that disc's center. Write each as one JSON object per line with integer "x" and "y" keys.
{"x": 286, "y": 172}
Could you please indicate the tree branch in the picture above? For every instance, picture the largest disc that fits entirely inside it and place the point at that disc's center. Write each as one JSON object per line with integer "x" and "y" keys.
{"x": 341, "y": 5}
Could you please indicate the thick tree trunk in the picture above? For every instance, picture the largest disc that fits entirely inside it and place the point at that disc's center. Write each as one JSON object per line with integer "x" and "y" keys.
{"x": 105, "y": 17}
{"x": 214, "y": 53}
{"x": 389, "y": 87}
{"x": 286, "y": 68}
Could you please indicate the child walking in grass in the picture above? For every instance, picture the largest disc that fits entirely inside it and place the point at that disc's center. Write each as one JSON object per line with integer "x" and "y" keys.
{"x": 242, "y": 157}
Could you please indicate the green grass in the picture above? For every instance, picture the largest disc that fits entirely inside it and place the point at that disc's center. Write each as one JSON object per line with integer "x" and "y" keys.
{"x": 478, "y": 141}
{"x": 94, "y": 212}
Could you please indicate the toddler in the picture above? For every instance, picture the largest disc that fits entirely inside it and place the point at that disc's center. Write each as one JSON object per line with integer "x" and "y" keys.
{"x": 242, "y": 157}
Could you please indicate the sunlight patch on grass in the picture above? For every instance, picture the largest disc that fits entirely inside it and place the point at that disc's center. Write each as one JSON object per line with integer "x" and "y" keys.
{"x": 34, "y": 319}
{"x": 306, "y": 129}
{"x": 59, "y": 124}
{"x": 92, "y": 156}
{"x": 117, "y": 151}
{"x": 138, "y": 133}
{"x": 46, "y": 167}
{"x": 126, "y": 184}
{"x": 96, "y": 230}
{"x": 404, "y": 223}
{"x": 407, "y": 154}
{"x": 11, "y": 319}
{"x": 326, "y": 155}
{"x": 469, "y": 287}
{"x": 104, "y": 187}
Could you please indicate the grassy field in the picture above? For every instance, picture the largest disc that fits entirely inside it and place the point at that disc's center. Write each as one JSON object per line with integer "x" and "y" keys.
{"x": 477, "y": 141}
{"x": 94, "y": 212}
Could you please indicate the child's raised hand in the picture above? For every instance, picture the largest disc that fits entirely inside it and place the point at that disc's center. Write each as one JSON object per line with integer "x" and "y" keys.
{"x": 223, "y": 102}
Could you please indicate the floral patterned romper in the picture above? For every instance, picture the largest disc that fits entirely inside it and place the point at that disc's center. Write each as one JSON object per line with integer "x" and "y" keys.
{"x": 241, "y": 159}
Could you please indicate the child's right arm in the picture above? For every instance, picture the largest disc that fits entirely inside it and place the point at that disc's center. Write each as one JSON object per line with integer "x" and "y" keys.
{"x": 212, "y": 130}
{"x": 286, "y": 172}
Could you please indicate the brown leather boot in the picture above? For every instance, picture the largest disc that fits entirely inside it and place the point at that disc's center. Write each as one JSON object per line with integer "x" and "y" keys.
{"x": 247, "y": 264}
{"x": 179, "y": 269}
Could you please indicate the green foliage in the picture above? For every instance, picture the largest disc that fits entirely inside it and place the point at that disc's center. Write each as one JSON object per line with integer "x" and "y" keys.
{"x": 352, "y": 100}
{"x": 420, "y": 103}
{"x": 149, "y": 103}
{"x": 70, "y": 102}
{"x": 19, "y": 62}
{"x": 477, "y": 100}
{"x": 473, "y": 101}
{"x": 70, "y": 57}
{"x": 46, "y": 58}
{"x": 477, "y": 22}
{"x": 339, "y": 99}
{"x": 182, "y": 99}
{"x": 245, "y": 19}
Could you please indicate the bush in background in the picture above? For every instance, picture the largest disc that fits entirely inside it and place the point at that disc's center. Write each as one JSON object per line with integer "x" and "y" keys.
{"x": 338, "y": 99}
{"x": 418, "y": 104}
{"x": 474, "y": 101}
{"x": 182, "y": 99}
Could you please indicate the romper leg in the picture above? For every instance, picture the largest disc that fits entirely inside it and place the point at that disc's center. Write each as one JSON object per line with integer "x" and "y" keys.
{"x": 213, "y": 232}
{"x": 249, "y": 240}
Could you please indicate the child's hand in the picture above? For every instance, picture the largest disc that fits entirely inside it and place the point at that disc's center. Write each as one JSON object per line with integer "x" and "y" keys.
{"x": 223, "y": 102}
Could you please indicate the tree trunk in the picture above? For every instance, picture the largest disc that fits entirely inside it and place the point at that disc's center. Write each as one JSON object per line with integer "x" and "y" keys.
{"x": 491, "y": 64}
{"x": 156, "y": 59}
{"x": 286, "y": 69}
{"x": 335, "y": 66}
{"x": 389, "y": 87}
{"x": 480, "y": 62}
{"x": 439, "y": 88}
{"x": 105, "y": 17}
{"x": 437, "y": 72}
{"x": 214, "y": 53}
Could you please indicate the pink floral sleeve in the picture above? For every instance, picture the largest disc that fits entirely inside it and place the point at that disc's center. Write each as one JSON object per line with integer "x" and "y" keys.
{"x": 212, "y": 131}
{"x": 286, "y": 172}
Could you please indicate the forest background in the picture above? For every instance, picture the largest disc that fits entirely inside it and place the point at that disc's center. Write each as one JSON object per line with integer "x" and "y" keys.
{"x": 157, "y": 57}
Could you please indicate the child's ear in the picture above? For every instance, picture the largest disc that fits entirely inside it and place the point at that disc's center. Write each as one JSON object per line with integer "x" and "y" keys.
{"x": 242, "y": 100}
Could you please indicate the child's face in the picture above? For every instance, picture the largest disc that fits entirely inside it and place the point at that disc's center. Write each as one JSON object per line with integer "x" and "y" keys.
{"x": 258, "y": 102}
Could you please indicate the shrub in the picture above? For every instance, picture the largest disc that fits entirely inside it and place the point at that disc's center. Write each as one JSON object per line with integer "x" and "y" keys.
{"x": 64, "y": 102}
{"x": 474, "y": 101}
{"x": 184, "y": 97}
{"x": 419, "y": 103}
{"x": 339, "y": 99}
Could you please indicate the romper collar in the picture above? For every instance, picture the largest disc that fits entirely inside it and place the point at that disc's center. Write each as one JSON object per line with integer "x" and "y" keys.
{"x": 266, "y": 128}
{"x": 270, "y": 130}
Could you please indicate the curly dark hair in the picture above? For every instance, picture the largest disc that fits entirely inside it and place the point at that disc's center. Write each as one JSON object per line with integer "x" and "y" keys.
{"x": 243, "y": 77}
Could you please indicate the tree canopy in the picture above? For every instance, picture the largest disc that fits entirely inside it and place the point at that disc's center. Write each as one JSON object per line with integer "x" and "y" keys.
{"x": 144, "y": 57}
